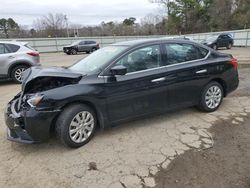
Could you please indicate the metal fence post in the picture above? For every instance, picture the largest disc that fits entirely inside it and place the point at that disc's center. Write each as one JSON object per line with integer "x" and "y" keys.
{"x": 56, "y": 45}
{"x": 247, "y": 38}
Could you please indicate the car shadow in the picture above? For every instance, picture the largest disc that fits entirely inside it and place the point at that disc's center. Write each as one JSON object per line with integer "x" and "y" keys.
{"x": 4, "y": 82}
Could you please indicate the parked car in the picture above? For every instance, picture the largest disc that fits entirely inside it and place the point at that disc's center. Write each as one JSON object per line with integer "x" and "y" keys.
{"x": 117, "y": 83}
{"x": 81, "y": 46}
{"x": 15, "y": 58}
{"x": 218, "y": 41}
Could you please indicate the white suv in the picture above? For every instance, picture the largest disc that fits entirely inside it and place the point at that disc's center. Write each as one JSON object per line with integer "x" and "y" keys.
{"x": 15, "y": 58}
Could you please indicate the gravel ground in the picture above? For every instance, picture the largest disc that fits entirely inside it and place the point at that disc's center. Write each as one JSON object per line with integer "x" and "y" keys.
{"x": 130, "y": 155}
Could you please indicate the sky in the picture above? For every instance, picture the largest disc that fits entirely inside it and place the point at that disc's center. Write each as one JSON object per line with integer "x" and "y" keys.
{"x": 84, "y": 12}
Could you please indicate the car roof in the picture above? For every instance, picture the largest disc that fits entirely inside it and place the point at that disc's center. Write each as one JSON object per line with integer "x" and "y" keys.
{"x": 14, "y": 42}
{"x": 140, "y": 42}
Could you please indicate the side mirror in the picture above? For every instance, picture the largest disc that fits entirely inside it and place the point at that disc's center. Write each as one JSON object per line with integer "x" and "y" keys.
{"x": 118, "y": 70}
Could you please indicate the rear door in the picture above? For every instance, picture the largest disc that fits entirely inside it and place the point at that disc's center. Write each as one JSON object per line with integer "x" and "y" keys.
{"x": 142, "y": 90}
{"x": 222, "y": 41}
{"x": 7, "y": 57}
{"x": 82, "y": 46}
{"x": 187, "y": 73}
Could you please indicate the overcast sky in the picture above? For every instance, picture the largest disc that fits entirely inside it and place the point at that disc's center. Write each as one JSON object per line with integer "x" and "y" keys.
{"x": 85, "y": 12}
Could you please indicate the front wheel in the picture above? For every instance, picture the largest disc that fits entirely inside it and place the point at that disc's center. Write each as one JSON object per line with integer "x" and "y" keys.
{"x": 73, "y": 52}
{"x": 76, "y": 125}
{"x": 93, "y": 49}
{"x": 229, "y": 46}
{"x": 214, "y": 46}
{"x": 211, "y": 98}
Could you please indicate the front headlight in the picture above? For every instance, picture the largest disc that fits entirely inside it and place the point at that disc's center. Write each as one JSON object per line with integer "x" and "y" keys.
{"x": 33, "y": 101}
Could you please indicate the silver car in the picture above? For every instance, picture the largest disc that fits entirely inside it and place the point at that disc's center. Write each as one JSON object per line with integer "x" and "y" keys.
{"x": 15, "y": 58}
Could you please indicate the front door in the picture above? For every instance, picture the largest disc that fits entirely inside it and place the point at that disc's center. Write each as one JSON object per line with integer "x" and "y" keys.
{"x": 142, "y": 90}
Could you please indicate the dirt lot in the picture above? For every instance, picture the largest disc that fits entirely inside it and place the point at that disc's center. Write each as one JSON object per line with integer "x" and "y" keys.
{"x": 139, "y": 153}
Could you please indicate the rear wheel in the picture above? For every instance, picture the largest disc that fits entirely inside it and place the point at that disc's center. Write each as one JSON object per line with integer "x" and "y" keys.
{"x": 211, "y": 98}
{"x": 16, "y": 73}
{"x": 76, "y": 125}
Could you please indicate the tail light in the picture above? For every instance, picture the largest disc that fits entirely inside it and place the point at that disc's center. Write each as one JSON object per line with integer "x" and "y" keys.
{"x": 34, "y": 54}
{"x": 233, "y": 61}
{"x": 98, "y": 46}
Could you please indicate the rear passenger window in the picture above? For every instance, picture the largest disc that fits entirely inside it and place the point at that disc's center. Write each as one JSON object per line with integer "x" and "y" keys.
{"x": 12, "y": 47}
{"x": 3, "y": 49}
{"x": 178, "y": 53}
{"x": 203, "y": 52}
{"x": 83, "y": 43}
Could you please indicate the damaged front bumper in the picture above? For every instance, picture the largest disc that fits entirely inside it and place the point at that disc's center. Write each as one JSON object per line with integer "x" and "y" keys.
{"x": 28, "y": 125}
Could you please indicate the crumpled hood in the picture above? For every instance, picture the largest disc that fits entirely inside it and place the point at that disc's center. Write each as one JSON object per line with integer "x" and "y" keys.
{"x": 38, "y": 72}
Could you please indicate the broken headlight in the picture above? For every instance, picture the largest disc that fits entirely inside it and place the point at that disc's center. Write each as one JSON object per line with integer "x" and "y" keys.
{"x": 34, "y": 100}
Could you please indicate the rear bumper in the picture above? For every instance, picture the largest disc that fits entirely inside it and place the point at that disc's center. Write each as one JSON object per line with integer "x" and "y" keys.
{"x": 29, "y": 125}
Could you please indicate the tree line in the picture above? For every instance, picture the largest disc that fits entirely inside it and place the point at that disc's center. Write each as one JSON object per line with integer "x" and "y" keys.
{"x": 180, "y": 17}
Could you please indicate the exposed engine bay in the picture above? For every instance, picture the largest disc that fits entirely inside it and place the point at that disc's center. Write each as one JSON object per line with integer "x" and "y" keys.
{"x": 46, "y": 83}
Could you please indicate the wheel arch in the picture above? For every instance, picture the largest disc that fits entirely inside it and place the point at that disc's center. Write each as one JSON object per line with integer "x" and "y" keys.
{"x": 17, "y": 64}
{"x": 222, "y": 83}
{"x": 98, "y": 113}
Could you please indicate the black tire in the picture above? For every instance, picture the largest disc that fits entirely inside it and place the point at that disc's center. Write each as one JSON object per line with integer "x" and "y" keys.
{"x": 15, "y": 72}
{"x": 93, "y": 49}
{"x": 68, "y": 53}
{"x": 203, "y": 106}
{"x": 73, "y": 51}
{"x": 66, "y": 118}
{"x": 229, "y": 46}
{"x": 215, "y": 47}
{"x": 87, "y": 52}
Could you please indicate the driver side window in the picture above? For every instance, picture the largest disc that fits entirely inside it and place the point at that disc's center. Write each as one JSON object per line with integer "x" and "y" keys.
{"x": 142, "y": 59}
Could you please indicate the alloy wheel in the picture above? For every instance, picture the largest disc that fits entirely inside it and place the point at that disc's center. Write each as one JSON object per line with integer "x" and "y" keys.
{"x": 213, "y": 97}
{"x": 18, "y": 74}
{"x": 81, "y": 127}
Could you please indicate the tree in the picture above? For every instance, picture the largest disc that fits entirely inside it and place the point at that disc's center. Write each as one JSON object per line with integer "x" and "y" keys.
{"x": 129, "y": 21}
{"x": 53, "y": 25}
{"x": 6, "y": 25}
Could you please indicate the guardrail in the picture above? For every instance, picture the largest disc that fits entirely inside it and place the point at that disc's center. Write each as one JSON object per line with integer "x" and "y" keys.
{"x": 241, "y": 38}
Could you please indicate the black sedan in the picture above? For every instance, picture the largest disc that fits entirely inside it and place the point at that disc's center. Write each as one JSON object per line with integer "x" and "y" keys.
{"x": 81, "y": 46}
{"x": 117, "y": 83}
{"x": 218, "y": 41}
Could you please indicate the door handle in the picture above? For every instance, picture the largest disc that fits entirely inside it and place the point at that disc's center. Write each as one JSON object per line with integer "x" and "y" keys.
{"x": 201, "y": 71}
{"x": 11, "y": 57}
{"x": 159, "y": 80}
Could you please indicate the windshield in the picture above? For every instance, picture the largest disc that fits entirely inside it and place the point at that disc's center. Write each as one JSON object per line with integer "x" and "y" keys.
{"x": 212, "y": 38}
{"x": 96, "y": 60}
{"x": 75, "y": 43}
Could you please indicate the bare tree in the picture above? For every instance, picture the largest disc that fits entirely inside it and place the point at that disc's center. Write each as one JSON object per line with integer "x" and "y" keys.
{"x": 53, "y": 25}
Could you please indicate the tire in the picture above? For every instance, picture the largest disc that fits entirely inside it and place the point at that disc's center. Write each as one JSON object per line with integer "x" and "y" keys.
{"x": 16, "y": 73}
{"x": 214, "y": 46}
{"x": 93, "y": 49}
{"x": 87, "y": 52}
{"x": 73, "y": 52}
{"x": 216, "y": 97}
{"x": 229, "y": 46}
{"x": 69, "y": 120}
